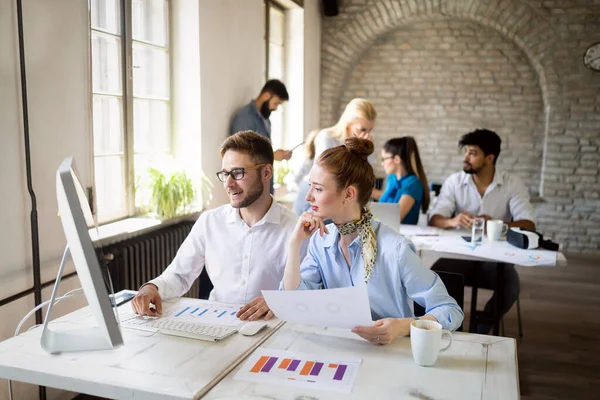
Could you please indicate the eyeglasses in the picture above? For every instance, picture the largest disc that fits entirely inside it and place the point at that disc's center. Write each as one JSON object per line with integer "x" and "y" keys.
{"x": 386, "y": 158}
{"x": 236, "y": 173}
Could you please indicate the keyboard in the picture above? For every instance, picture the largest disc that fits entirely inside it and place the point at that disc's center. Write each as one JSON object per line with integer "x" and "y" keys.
{"x": 167, "y": 326}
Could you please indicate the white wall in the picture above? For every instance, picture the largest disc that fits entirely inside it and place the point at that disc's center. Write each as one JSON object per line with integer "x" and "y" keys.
{"x": 13, "y": 201}
{"x": 312, "y": 64}
{"x": 294, "y": 77}
{"x": 232, "y": 58}
{"x": 185, "y": 92}
{"x": 56, "y": 37}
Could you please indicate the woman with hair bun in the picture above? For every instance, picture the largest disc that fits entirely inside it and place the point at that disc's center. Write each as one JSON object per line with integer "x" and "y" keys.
{"x": 357, "y": 250}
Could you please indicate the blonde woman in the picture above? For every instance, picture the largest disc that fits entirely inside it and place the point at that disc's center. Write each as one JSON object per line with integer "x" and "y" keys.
{"x": 358, "y": 119}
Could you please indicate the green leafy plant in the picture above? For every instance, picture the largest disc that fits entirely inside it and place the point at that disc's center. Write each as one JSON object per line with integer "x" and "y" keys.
{"x": 282, "y": 169}
{"x": 169, "y": 195}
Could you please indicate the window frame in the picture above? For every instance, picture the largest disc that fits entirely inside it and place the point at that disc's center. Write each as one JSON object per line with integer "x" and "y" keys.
{"x": 127, "y": 97}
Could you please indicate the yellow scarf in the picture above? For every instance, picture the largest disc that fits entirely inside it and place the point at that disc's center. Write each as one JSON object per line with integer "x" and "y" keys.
{"x": 368, "y": 240}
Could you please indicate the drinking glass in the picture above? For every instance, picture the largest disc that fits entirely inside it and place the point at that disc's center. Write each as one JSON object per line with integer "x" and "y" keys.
{"x": 477, "y": 231}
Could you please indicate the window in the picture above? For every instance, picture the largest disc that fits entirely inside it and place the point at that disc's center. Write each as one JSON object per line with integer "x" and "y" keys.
{"x": 275, "y": 50}
{"x": 131, "y": 93}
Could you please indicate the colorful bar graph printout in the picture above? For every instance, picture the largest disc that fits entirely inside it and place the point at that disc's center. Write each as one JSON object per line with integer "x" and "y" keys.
{"x": 259, "y": 364}
{"x": 182, "y": 311}
{"x": 293, "y": 365}
{"x": 202, "y": 312}
{"x": 307, "y": 367}
{"x": 339, "y": 373}
{"x": 269, "y": 364}
{"x": 316, "y": 369}
{"x": 292, "y": 368}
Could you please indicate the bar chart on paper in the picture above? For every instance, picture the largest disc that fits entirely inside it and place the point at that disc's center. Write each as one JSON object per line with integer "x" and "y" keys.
{"x": 202, "y": 311}
{"x": 300, "y": 369}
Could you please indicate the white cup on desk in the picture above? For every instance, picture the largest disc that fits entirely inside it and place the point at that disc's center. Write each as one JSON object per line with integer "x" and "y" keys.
{"x": 495, "y": 229}
{"x": 425, "y": 339}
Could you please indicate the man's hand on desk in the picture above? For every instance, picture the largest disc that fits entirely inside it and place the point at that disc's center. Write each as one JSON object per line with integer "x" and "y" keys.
{"x": 255, "y": 310}
{"x": 462, "y": 219}
{"x": 148, "y": 294}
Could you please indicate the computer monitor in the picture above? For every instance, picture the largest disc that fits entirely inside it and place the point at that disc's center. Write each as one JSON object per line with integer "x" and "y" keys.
{"x": 76, "y": 218}
{"x": 388, "y": 213}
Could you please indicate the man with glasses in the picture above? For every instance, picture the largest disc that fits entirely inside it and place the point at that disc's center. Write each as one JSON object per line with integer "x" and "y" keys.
{"x": 242, "y": 245}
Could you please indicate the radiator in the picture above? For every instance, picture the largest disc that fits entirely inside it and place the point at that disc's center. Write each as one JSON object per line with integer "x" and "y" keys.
{"x": 135, "y": 261}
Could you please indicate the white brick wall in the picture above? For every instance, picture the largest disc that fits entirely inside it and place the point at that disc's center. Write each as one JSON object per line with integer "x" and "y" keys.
{"x": 436, "y": 69}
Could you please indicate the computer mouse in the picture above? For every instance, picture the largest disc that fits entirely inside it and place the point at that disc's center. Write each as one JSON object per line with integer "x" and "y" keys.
{"x": 252, "y": 327}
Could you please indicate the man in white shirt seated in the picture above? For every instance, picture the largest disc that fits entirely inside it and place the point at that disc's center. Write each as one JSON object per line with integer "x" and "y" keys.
{"x": 243, "y": 245}
{"x": 481, "y": 191}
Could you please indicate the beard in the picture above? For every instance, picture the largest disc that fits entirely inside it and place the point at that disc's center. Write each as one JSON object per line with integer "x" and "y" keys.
{"x": 252, "y": 194}
{"x": 265, "y": 111}
{"x": 470, "y": 170}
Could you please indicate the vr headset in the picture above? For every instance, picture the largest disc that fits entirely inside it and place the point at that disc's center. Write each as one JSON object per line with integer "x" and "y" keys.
{"x": 524, "y": 239}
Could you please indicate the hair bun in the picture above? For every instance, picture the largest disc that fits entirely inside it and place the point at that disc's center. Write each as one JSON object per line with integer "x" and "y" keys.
{"x": 361, "y": 147}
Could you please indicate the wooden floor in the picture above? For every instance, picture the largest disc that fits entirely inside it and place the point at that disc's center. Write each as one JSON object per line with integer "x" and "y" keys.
{"x": 559, "y": 355}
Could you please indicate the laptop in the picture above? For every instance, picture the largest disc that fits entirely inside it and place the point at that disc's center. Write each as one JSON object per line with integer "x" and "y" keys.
{"x": 388, "y": 213}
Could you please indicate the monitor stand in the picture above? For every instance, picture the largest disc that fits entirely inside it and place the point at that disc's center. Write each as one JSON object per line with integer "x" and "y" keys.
{"x": 84, "y": 339}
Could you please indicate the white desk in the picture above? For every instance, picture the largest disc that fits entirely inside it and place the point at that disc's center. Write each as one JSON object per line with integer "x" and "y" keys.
{"x": 166, "y": 367}
{"x": 475, "y": 367}
{"x": 145, "y": 367}
{"x": 430, "y": 256}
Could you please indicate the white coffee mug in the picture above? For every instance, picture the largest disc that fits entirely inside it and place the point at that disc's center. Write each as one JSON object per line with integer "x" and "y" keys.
{"x": 425, "y": 339}
{"x": 495, "y": 229}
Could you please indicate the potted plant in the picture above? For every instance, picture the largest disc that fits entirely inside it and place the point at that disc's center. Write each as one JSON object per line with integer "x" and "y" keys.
{"x": 170, "y": 194}
{"x": 282, "y": 170}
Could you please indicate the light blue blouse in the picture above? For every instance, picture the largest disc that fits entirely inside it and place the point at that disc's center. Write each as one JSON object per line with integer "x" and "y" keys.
{"x": 398, "y": 278}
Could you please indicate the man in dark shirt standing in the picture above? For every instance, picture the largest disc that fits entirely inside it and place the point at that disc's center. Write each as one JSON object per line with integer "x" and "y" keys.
{"x": 254, "y": 116}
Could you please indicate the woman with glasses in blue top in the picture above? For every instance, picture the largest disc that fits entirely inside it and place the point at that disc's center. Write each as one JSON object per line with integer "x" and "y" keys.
{"x": 357, "y": 250}
{"x": 406, "y": 183}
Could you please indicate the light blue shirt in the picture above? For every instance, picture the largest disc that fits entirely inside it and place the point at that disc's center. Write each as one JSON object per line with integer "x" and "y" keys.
{"x": 249, "y": 118}
{"x": 398, "y": 278}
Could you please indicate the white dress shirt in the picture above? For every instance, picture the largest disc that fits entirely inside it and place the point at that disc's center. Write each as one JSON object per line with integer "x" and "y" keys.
{"x": 240, "y": 260}
{"x": 506, "y": 198}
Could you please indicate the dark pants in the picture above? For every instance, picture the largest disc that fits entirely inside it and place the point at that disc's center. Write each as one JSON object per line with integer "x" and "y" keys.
{"x": 479, "y": 274}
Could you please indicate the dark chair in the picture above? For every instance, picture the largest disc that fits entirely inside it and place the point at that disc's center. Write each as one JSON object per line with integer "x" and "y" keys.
{"x": 455, "y": 285}
{"x": 205, "y": 285}
{"x": 379, "y": 183}
{"x": 436, "y": 187}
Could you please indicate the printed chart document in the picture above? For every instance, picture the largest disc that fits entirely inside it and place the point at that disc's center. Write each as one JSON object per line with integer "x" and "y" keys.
{"x": 300, "y": 369}
{"x": 497, "y": 251}
{"x": 198, "y": 311}
{"x": 339, "y": 308}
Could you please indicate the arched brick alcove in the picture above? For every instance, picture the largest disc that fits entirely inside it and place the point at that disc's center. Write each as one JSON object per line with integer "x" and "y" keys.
{"x": 347, "y": 39}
